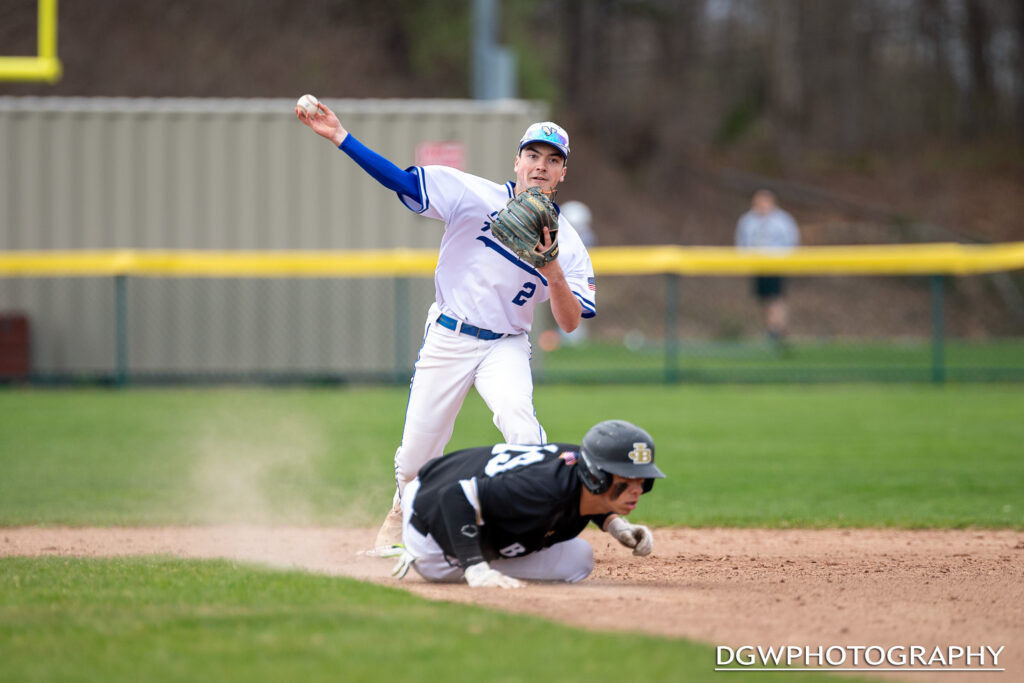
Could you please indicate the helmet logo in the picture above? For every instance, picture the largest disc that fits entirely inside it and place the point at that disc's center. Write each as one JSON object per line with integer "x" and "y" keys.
{"x": 641, "y": 453}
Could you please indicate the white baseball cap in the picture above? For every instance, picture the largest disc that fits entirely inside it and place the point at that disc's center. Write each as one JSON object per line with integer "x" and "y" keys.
{"x": 551, "y": 133}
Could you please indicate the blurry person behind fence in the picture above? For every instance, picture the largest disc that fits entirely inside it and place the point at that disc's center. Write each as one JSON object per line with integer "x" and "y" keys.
{"x": 766, "y": 226}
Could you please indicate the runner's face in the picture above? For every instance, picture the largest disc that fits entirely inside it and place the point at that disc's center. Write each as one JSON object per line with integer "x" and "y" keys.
{"x": 624, "y": 494}
{"x": 539, "y": 165}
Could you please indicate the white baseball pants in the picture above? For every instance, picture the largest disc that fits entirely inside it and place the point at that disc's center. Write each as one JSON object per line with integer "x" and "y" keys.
{"x": 449, "y": 364}
{"x": 570, "y": 561}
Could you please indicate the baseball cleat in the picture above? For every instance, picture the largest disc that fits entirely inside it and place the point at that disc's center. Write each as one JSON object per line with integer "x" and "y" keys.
{"x": 389, "y": 538}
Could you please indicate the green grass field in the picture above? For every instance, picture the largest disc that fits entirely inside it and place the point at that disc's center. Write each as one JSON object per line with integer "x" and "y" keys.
{"x": 813, "y": 456}
{"x": 818, "y": 455}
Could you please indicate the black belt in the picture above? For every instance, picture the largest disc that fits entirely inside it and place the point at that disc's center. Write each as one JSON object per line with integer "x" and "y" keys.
{"x": 466, "y": 328}
{"x": 418, "y": 524}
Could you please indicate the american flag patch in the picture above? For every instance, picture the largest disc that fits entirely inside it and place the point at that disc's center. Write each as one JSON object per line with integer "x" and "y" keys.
{"x": 591, "y": 284}
{"x": 569, "y": 457}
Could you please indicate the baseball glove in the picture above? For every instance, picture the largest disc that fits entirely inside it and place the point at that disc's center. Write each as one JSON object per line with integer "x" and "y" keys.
{"x": 520, "y": 227}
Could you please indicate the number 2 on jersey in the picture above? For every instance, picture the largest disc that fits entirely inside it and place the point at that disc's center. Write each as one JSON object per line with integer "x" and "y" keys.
{"x": 525, "y": 293}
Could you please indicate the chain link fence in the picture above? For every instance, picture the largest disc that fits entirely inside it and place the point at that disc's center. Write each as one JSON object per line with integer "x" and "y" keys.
{"x": 650, "y": 328}
{"x": 667, "y": 328}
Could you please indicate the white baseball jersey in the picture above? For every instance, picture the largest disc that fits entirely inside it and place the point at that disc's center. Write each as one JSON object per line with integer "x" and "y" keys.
{"x": 478, "y": 280}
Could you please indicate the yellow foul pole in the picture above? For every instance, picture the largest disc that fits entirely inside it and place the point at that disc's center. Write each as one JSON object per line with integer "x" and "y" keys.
{"x": 45, "y": 66}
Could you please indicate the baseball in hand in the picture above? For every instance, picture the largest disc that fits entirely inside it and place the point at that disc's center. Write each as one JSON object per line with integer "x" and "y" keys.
{"x": 308, "y": 104}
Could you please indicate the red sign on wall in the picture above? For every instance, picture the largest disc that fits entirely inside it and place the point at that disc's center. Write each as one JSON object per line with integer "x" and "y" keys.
{"x": 441, "y": 154}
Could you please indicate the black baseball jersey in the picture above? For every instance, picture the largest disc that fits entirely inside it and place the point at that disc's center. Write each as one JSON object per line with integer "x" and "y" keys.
{"x": 503, "y": 501}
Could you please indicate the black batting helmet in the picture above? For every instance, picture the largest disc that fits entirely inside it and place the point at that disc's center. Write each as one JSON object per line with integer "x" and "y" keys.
{"x": 617, "y": 447}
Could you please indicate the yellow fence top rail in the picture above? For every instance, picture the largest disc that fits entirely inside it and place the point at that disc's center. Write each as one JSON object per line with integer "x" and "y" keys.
{"x": 880, "y": 259}
{"x": 899, "y": 259}
{"x": 180, "y": 263}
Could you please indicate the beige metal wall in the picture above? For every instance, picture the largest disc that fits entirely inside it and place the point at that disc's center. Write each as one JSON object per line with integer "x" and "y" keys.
{"x": 225, "y": 174}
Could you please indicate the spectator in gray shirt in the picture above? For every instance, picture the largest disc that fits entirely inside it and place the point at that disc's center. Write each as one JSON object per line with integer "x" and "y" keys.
{"x": 768, "y": 227}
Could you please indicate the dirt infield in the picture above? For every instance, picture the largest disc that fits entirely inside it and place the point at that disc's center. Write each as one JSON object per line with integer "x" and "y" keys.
{"x": 728, "y": 587}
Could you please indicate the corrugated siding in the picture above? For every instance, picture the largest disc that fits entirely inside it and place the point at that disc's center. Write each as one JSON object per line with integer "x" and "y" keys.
{"x": 225, "y": 174}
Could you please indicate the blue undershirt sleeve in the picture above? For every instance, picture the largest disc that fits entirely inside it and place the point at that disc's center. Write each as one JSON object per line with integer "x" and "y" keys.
{"x": 383, "y": 171}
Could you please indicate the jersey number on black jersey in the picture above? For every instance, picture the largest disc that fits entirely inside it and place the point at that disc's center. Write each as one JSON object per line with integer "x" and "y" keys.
{"x": 510, "y": 456}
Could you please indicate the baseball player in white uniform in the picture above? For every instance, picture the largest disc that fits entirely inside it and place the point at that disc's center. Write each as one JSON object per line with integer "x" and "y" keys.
{"x": 476, "y": 330}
